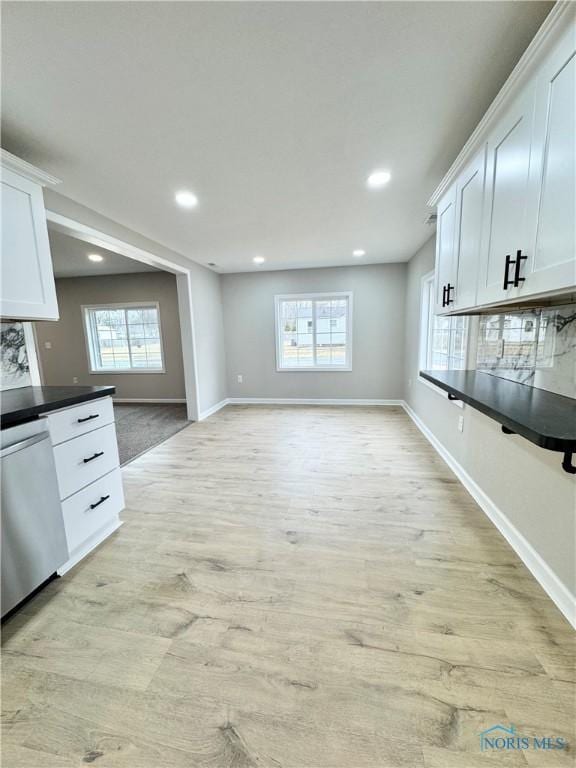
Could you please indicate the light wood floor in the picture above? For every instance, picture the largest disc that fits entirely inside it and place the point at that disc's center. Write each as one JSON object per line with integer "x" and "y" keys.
{"x": 293, "y": 587}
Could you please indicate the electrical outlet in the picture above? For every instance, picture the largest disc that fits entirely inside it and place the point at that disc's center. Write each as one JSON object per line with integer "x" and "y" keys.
{"x": 75, "y": 380}
{"x": 461, "y": 424}
{"x": 47, "y": 345}
{"x": 240, "y": 378}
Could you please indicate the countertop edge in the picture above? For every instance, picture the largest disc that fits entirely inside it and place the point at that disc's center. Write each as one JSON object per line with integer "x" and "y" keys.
{"x": 540, "y": 438}
{"x": 28, "y": 413}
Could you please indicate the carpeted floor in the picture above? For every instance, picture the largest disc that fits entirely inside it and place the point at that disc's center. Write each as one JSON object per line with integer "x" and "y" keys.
{"x": 142, "y": 426}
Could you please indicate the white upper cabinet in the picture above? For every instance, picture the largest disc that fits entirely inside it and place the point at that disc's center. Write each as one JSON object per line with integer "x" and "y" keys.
{"x": 552, "y": 265}
{"x": 27, "y": 290}
{"x": 445, "y": 263}
{"x": 469, "y": 208}
{"x": 458, "y": 232}
{"x": 506, "y": 228}
{"x": 514, "y": 225}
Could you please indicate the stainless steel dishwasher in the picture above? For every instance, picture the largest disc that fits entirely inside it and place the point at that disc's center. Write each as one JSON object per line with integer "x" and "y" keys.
{"x": 33, "y": 537}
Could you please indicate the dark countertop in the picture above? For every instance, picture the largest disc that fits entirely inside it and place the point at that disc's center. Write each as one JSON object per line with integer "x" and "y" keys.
{"x": 27, "y": 403}
{"x": 546, "y": 419}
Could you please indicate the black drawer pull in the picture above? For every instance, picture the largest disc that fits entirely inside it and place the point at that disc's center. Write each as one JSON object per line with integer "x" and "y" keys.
{"x": 444, "y": 296}
{"x": 102, "y": 500}
{"x": 449, "y": 289}
{"x": 96, "y": 455}
{"x": 88, "y": 418}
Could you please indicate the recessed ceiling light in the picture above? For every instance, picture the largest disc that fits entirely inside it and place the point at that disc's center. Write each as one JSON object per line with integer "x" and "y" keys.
{"x": 378, "y": 179}
{"x": 95, "y": 257}
{"x": 358, "y": 253}
{"x": 186, "y": 199}
{"x": 258, "y": 259}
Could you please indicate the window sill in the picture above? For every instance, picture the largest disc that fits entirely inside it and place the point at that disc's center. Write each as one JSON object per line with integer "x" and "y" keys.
{"x": 441, "y": 392}
{"x": 324, "y": 369}
{"x": 113, "y": 371}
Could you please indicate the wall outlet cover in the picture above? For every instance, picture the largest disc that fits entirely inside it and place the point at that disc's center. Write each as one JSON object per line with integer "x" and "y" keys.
{"x": 240, "y": 378}
{"x": 461, "y": 424}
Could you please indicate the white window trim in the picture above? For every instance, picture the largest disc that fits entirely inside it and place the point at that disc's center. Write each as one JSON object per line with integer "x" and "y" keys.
{"x": 308, "y": 297}
{"x": 423, "y": 342}
{"x": 120, "y": 305}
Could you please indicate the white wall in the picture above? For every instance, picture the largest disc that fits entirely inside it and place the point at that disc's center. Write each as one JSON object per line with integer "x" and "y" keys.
{"x": 378, "y": 333}
{"x": 206, "y": 296}
{"x": 526, "y": 483}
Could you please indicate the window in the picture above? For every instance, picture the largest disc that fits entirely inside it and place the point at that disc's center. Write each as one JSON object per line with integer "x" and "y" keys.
{"x": 124, "y": 338}
{"x": 443, "y": 340}
{"x": 314, "y": 332}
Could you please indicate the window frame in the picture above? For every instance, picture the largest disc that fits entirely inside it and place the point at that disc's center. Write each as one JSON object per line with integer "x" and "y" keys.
{"x": 427, "y": 306}
{"x": 324, "y": 296}
{"x": 86, "y": 309}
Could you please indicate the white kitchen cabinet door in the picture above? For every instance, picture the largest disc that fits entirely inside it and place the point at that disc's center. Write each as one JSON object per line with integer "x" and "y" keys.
{"x": 506, "y": 230}
{"x": 469, "y": 208}
{"x": 27, "y": 289}
{"x": 552, "y": 264}
{"x": 445, "y": 268}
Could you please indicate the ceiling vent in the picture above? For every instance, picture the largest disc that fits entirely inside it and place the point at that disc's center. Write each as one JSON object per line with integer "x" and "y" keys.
{"x": 431, "y": 218}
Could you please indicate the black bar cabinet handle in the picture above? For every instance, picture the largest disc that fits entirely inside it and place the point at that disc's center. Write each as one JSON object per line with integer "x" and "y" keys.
{"x": 102, "y": 500}
{"x": 519, "y": 260}
{"x": 507, "y": 265}
{"x": 449, "y": 289}
{"x": 96, "y": 455}
{"x": 443, "y": 295}
{"x": 88, "y": 418}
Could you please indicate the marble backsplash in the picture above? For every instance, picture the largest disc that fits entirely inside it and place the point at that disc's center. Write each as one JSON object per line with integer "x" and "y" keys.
{"x": 14, "y": 366}
{"x": 534, "y": 347}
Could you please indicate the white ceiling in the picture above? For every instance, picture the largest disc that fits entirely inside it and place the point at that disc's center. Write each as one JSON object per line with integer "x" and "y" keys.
{"x": 70, "y": 258}
{"x": 272, "y": 113}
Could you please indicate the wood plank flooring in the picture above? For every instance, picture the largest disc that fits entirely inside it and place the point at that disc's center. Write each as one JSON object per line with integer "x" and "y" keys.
{"x": 295, "y": 588}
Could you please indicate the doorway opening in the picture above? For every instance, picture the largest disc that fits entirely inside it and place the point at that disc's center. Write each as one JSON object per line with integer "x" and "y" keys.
{"x": 125, "y": 320}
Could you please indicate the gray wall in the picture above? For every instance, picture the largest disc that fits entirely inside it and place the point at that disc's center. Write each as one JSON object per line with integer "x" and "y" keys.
{"x": 526, "y": 483}
{"x": 206, "y": 296}
{"x": 68, "y": 356}
{"x": 378, "y": 333}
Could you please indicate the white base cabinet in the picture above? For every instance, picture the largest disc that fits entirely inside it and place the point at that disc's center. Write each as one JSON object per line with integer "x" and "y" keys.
{"x": 506, "y": 234}
{"x": 88, "y": 471}
{"x": 27, "y": 290}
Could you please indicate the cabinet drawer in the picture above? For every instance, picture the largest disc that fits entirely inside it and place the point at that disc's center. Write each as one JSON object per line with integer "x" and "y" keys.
{"x": 89, "y": 510}
{"x": 80, "y": 419}
{"x": 81, "y": 461}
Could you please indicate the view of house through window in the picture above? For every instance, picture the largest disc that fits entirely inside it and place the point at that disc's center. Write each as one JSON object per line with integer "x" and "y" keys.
{"x": 124, "y": 338}
{"x": 313, "y": 331}
{"x": 444, "y": 340}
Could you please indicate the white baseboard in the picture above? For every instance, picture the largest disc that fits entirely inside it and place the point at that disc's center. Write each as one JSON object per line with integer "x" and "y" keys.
{"x": 290, "y": 401}
{"x": 307, "y": 401}
{"x": 160, "y": 400}
{"x": 544, "y": 575}
{"x": 213, "y": 409}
